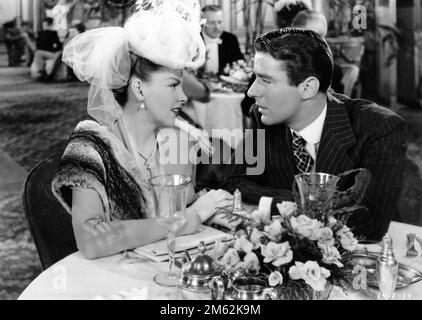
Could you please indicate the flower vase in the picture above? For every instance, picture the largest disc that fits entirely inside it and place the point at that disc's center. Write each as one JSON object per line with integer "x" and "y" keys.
{"x": 316, "y": 191}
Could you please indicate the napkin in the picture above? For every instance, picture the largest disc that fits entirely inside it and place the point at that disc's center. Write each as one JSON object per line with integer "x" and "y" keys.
{"x": 131, "y": 294}
{"x": 158, "y": 251}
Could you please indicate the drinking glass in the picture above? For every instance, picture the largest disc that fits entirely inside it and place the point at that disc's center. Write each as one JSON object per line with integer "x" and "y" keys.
{"x": 316, "y": 191}
{"x": 170, "y": 200}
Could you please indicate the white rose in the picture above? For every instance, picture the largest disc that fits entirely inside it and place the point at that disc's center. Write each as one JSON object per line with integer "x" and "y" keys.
{"x": 305, "y": 226}
{"x": 274, "y": 231}
{"x": 231, "y": 259}
{"x": 325, "y": 237}
{"x": 219, "y": 249}
{"x": 277, "y": 253}
{"x": 347, "y": 239}
{"x": 251, "y": 262}
{"x": 286, "y": 208}
{"x": 261, "y": 216}
{"x": 331, "y": 222}
{"x": 275, "y": 278}
{"x": 330, "y": 255}
{"x": 311, "y": 272}
{"x": 243, "y": 244}
{"x": 255, "y": 238}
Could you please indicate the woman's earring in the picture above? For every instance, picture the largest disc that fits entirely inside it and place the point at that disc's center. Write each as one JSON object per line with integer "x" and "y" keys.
{"x": 142, "y": 106}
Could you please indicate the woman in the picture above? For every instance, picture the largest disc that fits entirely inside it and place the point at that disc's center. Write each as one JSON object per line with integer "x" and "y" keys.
{"x": 136, "y": 77}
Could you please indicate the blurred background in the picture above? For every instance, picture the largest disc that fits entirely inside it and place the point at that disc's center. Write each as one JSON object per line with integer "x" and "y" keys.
{"x": 378, "y": 43}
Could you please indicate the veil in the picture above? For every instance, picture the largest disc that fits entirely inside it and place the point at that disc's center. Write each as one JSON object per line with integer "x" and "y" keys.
{"x": 167, "y": 32}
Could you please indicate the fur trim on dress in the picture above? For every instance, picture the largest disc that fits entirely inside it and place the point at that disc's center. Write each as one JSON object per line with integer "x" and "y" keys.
{"x": 96, "y": 159}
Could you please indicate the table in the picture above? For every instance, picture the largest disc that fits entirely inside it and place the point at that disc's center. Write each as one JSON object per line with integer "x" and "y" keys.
{"x": 222, "y": 116}
{"x": 75, "y": 277}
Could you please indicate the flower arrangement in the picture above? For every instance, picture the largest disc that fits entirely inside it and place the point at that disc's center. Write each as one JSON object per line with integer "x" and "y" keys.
{"x": 302, "y": 256}
{"x": 240, "y": 70}
{"x": 236, "y": 75}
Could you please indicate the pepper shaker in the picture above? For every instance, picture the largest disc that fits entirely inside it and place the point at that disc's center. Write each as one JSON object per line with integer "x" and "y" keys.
{"x": 387, "y": 270}
{"x": 237, "y": 202}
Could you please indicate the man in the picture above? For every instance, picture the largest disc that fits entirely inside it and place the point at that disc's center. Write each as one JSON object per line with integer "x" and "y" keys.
{"x": 48, "y": 44}
{"x": 307, "y": 130}
{"x": 76, "y": 27}
{"x": 310, "y": 20}
{"x": 222, "y": 47}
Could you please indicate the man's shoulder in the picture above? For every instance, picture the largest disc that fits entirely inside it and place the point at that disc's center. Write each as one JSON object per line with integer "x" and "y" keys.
{"x": 228, "y": 36}
{"x": 368, "y": 114}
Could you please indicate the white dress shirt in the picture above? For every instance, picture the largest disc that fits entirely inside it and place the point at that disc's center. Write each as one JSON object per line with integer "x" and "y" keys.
{"x": 212, "y": 60}
{"x": 312, "y": 134}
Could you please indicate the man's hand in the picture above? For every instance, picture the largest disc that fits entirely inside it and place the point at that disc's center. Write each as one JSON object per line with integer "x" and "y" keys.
{"x": 211, "y": 202}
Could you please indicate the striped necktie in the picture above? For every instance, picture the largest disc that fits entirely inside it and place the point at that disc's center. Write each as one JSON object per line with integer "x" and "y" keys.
{"x": 303, "y": 160}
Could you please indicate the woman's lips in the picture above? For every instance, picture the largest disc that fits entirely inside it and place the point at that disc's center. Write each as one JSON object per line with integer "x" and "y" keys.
{"x": 176, "y": 110}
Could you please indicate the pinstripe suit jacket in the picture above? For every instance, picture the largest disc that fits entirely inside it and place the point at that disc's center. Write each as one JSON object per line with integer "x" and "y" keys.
{"x": 356, "y": 134}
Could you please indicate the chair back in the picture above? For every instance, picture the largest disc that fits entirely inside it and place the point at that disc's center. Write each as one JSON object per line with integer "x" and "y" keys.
{"x": 50, "y": 225}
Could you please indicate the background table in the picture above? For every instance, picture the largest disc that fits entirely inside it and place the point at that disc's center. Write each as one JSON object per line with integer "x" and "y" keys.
{"x": 222, "y": 111}
{"x": 75, "y": 277}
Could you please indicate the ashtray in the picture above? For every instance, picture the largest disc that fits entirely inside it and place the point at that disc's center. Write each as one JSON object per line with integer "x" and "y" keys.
{"x": 406, "y": 274}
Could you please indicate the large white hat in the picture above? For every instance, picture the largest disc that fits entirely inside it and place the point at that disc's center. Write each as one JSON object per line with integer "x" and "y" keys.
{"x": 167, "y": 32}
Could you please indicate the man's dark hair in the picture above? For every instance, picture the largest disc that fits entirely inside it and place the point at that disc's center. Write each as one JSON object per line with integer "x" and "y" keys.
{"x": 48, "y": 20}
{"x": 304, "y": 54}
{"x": 211, "y": 7}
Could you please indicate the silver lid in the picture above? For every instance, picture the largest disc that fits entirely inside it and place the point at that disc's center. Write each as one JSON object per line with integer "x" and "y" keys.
{"x": 197, "y": 273}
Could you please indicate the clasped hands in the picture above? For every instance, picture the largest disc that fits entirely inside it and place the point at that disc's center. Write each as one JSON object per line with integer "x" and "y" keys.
{"x": 207, "y": 205}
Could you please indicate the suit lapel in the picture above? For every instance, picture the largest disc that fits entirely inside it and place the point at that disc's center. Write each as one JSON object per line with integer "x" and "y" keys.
{"x": 282, "y": 155}
{"x": 337, "y": 137}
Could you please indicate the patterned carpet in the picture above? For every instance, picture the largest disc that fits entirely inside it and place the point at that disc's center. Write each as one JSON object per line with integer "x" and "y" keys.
{"x": 36, "y": 120}
{"x": 19, "y": 263}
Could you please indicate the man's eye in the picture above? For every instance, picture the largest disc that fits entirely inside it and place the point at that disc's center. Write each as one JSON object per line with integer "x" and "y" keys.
{"x": 265, "y": 80}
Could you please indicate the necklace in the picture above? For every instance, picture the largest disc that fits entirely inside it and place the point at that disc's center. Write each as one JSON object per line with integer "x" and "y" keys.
{"x": 149, "y": 161}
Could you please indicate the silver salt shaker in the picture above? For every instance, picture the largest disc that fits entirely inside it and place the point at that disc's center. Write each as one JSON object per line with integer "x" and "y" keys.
{"x": 237, "y": 202}
{"x": 387, "y": 270}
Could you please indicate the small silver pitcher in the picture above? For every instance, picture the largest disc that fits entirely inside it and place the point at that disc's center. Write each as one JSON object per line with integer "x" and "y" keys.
{"x": 243, "y": 288}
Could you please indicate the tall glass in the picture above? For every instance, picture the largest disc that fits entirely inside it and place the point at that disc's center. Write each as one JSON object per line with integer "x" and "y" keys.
{"x": 316, "y": 191}
{"x": 170, "y": 196}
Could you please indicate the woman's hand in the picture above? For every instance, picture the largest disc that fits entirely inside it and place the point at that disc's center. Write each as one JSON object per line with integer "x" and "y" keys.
{"x": 208, "y": 204}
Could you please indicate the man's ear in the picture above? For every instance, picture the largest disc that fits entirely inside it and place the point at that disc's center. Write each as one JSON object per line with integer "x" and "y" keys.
{"x": 136, "y": 86}
{"x": 309, "y": 88}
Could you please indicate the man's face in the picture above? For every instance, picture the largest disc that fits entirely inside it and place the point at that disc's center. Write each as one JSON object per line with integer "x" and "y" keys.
{"x": 214, "y": 25}
{"x": 278, "y": 100}
{"x": 73, "y": 32}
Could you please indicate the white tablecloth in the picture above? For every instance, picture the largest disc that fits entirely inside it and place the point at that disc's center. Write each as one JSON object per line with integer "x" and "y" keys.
{"x": 222, "y": 112}
{"x": 75, "y": 277}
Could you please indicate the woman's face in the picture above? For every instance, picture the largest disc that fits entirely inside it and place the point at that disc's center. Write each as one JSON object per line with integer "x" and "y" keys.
{"x": 163, "y": 96}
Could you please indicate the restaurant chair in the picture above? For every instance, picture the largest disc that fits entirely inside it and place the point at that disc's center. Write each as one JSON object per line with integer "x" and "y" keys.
{"x": 50, "y": 225}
